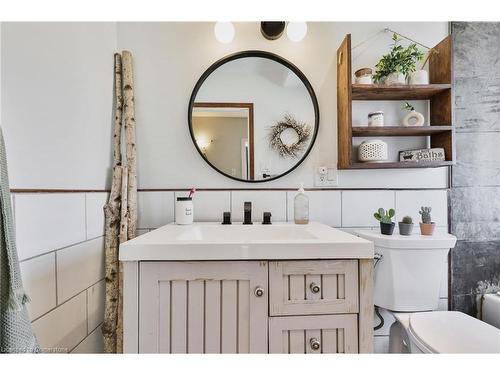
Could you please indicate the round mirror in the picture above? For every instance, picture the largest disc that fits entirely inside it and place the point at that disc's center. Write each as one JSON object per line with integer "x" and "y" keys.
{"x": 253, "y": 116}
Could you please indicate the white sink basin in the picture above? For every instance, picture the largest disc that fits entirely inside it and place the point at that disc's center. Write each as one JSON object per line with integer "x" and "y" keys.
{"x": 244, "y": 233}
{"x": 213, "y": 241}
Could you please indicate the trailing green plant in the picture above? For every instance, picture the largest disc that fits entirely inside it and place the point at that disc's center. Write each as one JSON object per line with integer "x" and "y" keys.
{"x": 408, "y": 107}
{"x": 398, "y": 60}
{"x": 385, "y": 216}
{"x": 426, "y": 214}
{"x": 407, "y": 220}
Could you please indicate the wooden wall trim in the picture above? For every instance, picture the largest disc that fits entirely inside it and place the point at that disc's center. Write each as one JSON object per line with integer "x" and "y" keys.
{"x": 63, "y": 191}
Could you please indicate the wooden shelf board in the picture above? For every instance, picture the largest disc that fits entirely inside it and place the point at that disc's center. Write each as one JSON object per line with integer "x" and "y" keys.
{"x": 397, "y": 92}
{"x": 396, "y": 165}
{"x": 398, "y": 131}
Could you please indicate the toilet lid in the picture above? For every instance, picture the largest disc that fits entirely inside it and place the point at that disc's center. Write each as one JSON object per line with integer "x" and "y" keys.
{"x": 453, "y": 332}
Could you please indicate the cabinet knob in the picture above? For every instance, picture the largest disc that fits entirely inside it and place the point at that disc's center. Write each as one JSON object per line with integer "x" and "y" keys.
{"x": 315, "y": 288}
{"x": 315, "y": 344}
{"x": 259, "y": 291}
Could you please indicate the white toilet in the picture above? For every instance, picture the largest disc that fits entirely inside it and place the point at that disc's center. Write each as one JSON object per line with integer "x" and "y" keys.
{"x": 408, "y": 272}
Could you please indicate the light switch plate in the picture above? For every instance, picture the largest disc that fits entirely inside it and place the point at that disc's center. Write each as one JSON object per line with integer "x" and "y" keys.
{"x": 325, "y": 177}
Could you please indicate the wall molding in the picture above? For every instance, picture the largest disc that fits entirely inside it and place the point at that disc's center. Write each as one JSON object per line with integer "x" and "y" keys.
{"x": 62, "y": 191}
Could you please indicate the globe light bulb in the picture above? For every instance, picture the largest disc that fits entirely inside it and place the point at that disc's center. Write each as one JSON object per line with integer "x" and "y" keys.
{"x": 296, "y": 31}
{"x": 224, "y": 32}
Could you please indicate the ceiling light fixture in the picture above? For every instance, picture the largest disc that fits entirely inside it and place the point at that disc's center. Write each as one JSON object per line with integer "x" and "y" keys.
{"x": 224, "y": 32}
{"x": 296, "y": 31}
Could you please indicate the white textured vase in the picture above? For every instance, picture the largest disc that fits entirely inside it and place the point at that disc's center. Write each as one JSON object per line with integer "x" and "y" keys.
{"x": 395, "y": 79}
{"x": 419, "y": 77}
{"x": 413, "y": 118}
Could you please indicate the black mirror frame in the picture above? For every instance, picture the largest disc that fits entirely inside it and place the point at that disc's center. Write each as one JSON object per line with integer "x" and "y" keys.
{"x": 266, "y": 55}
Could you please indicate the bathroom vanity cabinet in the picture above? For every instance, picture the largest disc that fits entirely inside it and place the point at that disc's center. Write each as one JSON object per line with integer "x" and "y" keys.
{"x": 267, "y": 305}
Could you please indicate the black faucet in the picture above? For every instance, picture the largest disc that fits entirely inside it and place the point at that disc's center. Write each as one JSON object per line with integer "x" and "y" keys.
{"x": 247, "y": 213}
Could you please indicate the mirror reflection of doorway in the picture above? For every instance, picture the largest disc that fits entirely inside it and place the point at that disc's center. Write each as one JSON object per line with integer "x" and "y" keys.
{"x": 225, "y": 134}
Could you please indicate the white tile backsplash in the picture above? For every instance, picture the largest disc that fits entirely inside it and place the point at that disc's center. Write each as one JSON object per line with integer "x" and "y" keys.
{"x": 78, "y": 267}
{"x": 410, "y": 202}
{"x": 93, "y": 343}
{"x": 95, "y": 304}
{"x": 209, "y": 205}
{"x": 262, "y": 201}
{"x": 45, "y": 222}
{"x": 324, "y": 207}
{"x": 358, "y": 207}
{"x": 95, "y": 214}
{"x": 39, "y": 280}
{"x": 155, "y": 208}
{"x": 64, "y": 327}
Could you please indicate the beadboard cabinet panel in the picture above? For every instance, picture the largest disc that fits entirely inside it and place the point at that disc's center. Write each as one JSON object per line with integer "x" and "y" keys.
{"x": 313, "y": 287}
{"x": 313, "y": 334}
{"x": 203, "y": 307}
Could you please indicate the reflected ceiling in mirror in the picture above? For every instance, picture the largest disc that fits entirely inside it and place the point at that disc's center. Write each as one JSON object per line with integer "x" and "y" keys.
{"x": 253, "y": 116}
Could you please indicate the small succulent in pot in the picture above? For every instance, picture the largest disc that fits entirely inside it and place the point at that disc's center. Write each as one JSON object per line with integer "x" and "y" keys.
{"x": 385, "y": 218}
{"x": 427, "y": 225}
{"x": 406, "y": 226}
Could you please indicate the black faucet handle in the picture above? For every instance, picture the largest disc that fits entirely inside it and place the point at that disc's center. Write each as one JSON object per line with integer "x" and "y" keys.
{"x": 266, "y": 218}
{"x": 226, "y": 218}
{"x": 247, "y": 213}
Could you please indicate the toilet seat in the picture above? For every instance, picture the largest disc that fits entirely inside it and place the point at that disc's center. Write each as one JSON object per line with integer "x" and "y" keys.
{"x": 452, "y": 332}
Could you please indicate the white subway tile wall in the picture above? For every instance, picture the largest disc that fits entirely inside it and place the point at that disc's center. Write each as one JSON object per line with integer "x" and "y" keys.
{"x": 94, "y": 214}
{"x": 155, "y": 208}
{"x": 63, "y": 328}
{"x": 62, "y": 261}
{"x": 39, "y": 277}
{"x": 410, "y": 202}
{"x": 92, "y": 344}
{"x": 358, "y": 207}
{"x": 46, "y": 222}
{"x": 95, "y": 305}
{"x": 262, "y": 201}
{"x": 324, "y": 206}
{"x": 209, "y": 205}
{"x": 78, "y": 267}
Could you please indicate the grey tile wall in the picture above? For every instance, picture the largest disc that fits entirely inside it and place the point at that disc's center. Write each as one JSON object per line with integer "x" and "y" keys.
{"x": 475, "y": 196}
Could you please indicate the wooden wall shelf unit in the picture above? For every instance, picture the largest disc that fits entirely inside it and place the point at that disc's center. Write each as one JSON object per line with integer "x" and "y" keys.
{"x": 439, "y": 93}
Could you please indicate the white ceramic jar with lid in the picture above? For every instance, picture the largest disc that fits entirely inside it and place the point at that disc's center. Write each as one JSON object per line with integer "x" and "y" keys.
{"x": 364, "y": 76}
{"x": 184, "y": 211}
{"x": 376, "y": 118}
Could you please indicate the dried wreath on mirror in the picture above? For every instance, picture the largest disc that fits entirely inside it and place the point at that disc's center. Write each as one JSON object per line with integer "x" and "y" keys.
{"x": 301, "y": 134}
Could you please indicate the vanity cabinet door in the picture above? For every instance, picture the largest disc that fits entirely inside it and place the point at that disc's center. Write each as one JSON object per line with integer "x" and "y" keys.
{"x": 314, "y": 334}
{"x": 203, "y": 307}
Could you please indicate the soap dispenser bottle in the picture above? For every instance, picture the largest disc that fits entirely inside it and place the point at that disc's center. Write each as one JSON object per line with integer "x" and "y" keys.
{"x": 301, "y": 207}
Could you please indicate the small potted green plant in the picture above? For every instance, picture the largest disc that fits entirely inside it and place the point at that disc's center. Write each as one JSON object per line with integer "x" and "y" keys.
{"x": 396, "y": 66}
{"x": 406, "y": 226}
{"x": 427, "y": 225}
{"x": 385, "y": 218}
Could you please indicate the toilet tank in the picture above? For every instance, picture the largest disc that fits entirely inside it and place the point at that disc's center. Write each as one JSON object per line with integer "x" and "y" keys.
{"x": 408, "y": 274}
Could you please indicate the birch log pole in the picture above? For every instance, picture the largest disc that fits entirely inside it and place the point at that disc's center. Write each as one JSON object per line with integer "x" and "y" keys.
{"x": 112, "y": 229}
{"x": 122, "y": 238}
{"x": 112, "y": 214}
{"x": 129, "y": 119}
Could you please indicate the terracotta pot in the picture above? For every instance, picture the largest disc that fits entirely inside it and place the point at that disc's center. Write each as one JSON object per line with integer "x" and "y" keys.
{"x": 386, "y": 228}
{"x": 427, "y": 229}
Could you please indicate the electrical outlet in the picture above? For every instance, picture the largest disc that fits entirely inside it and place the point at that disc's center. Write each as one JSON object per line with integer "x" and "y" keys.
{"x": 325, "y": 177}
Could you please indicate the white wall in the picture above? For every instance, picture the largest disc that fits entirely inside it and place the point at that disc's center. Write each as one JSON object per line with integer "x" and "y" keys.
{"x": 57, "y": 99}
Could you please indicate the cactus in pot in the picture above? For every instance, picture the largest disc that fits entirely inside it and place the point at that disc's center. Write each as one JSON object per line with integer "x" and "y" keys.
{"x": 427, "y": 225}
{"x": 406, "y": 226}
{"x": 385, "y": 218}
